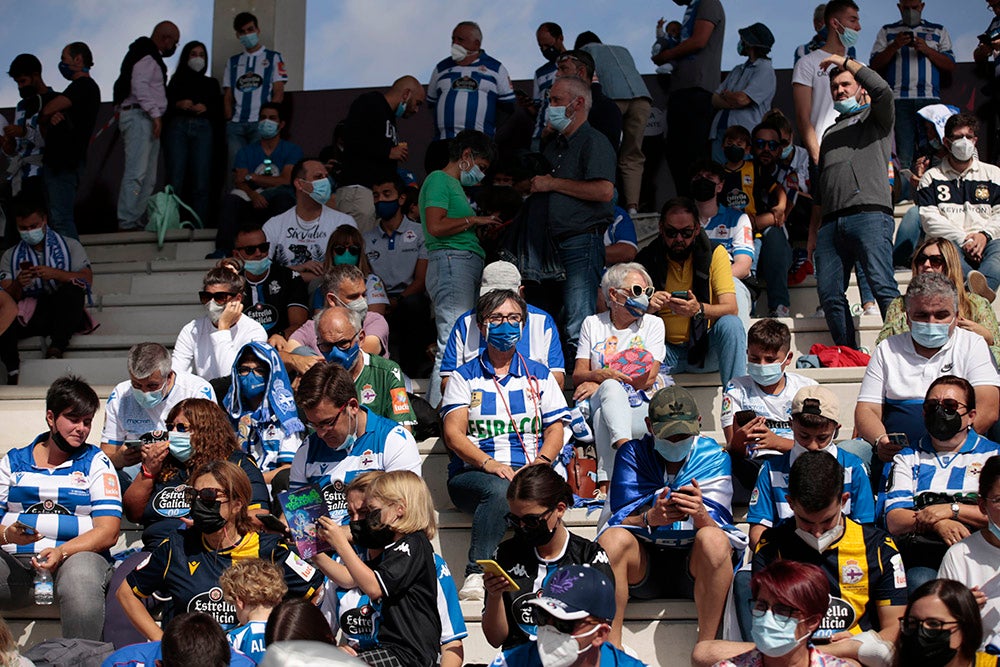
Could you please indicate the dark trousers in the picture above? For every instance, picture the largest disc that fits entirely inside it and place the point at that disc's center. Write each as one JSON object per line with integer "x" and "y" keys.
{"x": 411, "y": 330}
{"x": 58, "y": 315}
{"x": 689, "y": 121}
{"x": 237, "y": 212}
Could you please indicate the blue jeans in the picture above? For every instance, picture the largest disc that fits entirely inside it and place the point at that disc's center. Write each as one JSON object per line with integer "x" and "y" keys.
{"x": 775, "y": 259}
{"x": 613, "y": 419}
{"x": 142, "y": 151}
{"x": 865, "y": 238}
{"x": 989, "y": 266}
{"x": 187, "y": 148}
{"x": 453, "y": 284}
{"x": 61, "y": 185}
{"x": 918, "y": 576}
{"x": 583, "y": 258}
{"x": 741, "y": 600}
{"x": 908, "y": 236}
{"x": 238, "y": 135}
{"x": 727, "y": 351}
{"x": 484, "y": 496}
{"x": 908, "y": 123}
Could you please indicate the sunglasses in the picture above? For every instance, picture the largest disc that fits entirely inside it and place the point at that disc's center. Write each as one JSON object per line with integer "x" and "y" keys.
{"x": 529, "y": 521}
{"x": 948, "y": 406}
{"x": 672, "y": 233}
{"x": 937, "y": 261}
{"x": 782, "y": 612}
{"x": 206, "y": 495}
{"x": 218, "y": 297}
{"x": 180, "y": 428}
{"x": 638, "y": 290}
{"x": 770, "y": 144}
{"x": 244, "y": 371}
{"x": 909, "y": 625}
{"x": 341, "y": 249}
{"x": 264, "y": 248}
{"x": 545, "y": 618}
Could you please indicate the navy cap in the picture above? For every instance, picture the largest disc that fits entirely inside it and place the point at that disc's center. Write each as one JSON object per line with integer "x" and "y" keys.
{"x": 577, "y": 591}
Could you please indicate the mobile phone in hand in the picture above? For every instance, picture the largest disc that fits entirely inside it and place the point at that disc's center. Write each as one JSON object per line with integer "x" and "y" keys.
{"x": 744, "y": 417}
{"x": 680, "y": 294}
{"x": 898, "y": 439}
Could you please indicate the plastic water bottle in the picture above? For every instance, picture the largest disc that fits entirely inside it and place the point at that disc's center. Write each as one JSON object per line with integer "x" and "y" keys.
{"x": 44, "y": 591}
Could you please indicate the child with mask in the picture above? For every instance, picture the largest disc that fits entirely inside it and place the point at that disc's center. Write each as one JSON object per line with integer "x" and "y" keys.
{"x": 254, "y": 587}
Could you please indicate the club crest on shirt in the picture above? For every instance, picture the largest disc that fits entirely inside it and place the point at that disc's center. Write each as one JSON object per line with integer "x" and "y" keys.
{"x": 409, "y": 236}
{"x": 466, "y": 83}
{"x": 368, "y": 394}
{"x": 982, "y": 193}
{"x": 851, "y": 573}
{"x": 367, "y": 458}
{"x": 77, "y": 478}
{"x": 47, "y": 506}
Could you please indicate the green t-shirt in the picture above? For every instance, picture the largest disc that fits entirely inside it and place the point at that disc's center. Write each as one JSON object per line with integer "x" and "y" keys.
{"x": 442, "y": 191}
{"x": 381, "y": 389}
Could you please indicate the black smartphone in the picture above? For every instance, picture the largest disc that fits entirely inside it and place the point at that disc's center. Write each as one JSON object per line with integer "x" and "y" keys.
{"x": 273, "y": 524}
{"x": 744, "y": 417}
{"x": 133, "y": 444}
{"x": 899, "y": 439}
{"x": 680, "y": 294}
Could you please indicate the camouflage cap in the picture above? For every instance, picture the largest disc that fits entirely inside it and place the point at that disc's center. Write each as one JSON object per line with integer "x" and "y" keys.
{"x": 816, "y": 400}
{"x": 673, "y": 411}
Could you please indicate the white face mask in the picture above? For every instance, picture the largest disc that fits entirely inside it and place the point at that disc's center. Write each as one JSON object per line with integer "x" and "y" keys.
{"x": 557, "y": 649}
{"x": 823, "y": 542}
{"x": 963, "y": 149}
{"x": 459, "y": 52}
{"x": 215, "y": 310}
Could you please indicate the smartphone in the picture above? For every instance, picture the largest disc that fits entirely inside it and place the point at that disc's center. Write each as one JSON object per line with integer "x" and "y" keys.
{"x": 133, "y": 444}
{"x": 153, "y": 436}
{"x": 273, "y": 523}
{"x": 899, "y": 439}
{"x": 493, "y": 567}
{"x": 680, "y": 294}
{"x": 25, "y": 265}
{"x": 744, "y": 417}
{"x": 25, "y": 528}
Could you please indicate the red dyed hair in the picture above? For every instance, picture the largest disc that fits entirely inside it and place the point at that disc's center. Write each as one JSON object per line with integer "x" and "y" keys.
{"x": 798, "y": 585}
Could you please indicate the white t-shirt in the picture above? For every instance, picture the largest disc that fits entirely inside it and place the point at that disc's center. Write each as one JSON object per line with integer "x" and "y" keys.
{"x": 206, "y": 351}
{"x": 124, "y": 418}
{"x": 295, "y": 241}
{"x": 743, "y": 393}
{"x": 631, "y": 351}
{"x": 976, "y": 562}
{"x": 808, "y": 73}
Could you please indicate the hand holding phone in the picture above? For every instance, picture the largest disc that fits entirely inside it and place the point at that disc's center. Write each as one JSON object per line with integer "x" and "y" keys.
{"x": 744, "y": 417}
{"x": 273, "y": 523}
{"x": 493, "y": 567}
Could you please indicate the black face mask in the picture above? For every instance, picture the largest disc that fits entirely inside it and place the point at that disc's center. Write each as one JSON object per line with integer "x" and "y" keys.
{"x": 371, "y": 533}
{"x": 169, "y": 52}
{"x": 734, "y": 153}
{"x": 538, "y": 536}
{"x": 550, "y": 53}
{"x": 26, "y": 92}
{"x": 206, "y": 516}
{"x": 928, "y": 648}
{"x": 942, "y": 426}
{"x": 703, "y": 189}
{"x": 62, "y": 443}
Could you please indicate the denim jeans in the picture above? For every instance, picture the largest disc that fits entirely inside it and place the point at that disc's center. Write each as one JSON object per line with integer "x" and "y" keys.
{"x": 187, "y": 147}
{"x": 742, "y": 594}
{"x": 862, "y": 237}
{"x": 238, "y": 135}
{"x": 453, "y": 284}
{"x": 727, "y": 351}
{"x": 484, "y": 496}
{"x": 583, "y": 258}
{"x": 613, "y": 419}
{"x": 744, "y": 303}
{"x": 908, "y": 123}
{"x": 908, "y": 236}
{"x": 61, "y": 185}
{"x": 989, "y": 266}
{"x": 142, "y": 151}
{"x": 775, "y": 259}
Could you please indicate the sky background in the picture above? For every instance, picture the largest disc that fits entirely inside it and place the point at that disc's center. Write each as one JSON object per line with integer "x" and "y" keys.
{"x": 353, "y": 43}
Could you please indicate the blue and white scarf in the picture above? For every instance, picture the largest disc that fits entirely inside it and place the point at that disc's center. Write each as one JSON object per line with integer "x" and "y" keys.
{"x": 278, "y": 404}
{"x": 56, "y": 255}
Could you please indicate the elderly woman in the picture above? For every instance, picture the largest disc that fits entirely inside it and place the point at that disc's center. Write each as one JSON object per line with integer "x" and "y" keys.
{"x": 932, "y": 497}
{"x": 501, "y": 412}
{"x": 618, "y": 363}
{"x": 208, "y": 345}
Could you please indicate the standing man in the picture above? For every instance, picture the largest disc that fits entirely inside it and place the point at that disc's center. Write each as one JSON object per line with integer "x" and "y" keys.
{"x": 550, "y": 42}
{"x": 854, "y": 220}
{"x": 911, "y": 54}
{"x": 140, "y": 93}
{"x": 251, "y": 78}
{"x": 579, "y": 189}
{"x": 464, "y": 91}
{"x": 604, "y": 115}
{"x": 22, "y": 140}
{"x": 372, "y": 150}
{"x": 697, "y": 67}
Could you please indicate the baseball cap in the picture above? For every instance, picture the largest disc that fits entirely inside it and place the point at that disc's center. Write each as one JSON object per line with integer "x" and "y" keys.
{"x": 816, "y": 400}
{"x": 673, "y": 411}
{"x": 757, "y": 34}
{"x": 577, "y": 591}
{"x": 500, "y": 275}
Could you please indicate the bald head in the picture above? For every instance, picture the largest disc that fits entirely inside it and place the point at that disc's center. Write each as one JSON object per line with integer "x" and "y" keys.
{"x": 337, "y": 327}
{"x": 166, "y": 35}
{"x": 408, "y": 91}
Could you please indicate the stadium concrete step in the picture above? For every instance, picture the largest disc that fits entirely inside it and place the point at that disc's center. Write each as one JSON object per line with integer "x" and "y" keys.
{"x": 141, "y": 246}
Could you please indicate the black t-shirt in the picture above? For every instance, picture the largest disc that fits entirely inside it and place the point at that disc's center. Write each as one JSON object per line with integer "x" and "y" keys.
{"x": 198, "y": 88}
{"x": 369, "y": 135}
{"x": 410, "y": 627}
{"x": 267, "y": 302}
{"x": 66, "y": 142}
{"x": 531, "y": 573}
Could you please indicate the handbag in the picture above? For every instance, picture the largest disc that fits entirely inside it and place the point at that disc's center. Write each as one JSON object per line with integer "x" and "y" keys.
{"x": 581, "y": 474}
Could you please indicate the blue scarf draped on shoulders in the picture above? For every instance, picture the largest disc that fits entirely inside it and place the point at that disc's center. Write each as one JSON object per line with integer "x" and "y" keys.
{"x": 278, "y": 403}
{"x": 56, "y": 255}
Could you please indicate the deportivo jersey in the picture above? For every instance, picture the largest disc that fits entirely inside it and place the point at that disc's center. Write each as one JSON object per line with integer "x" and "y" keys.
{"x": 910, "y": 73}
{"x": 184, "y": 567}
{"x": 506, "y": 416}
{"x": 60, "y": 503}
{"x": 382, "y": 390}
{"x": 732, "y": 230}
{"x": 385, "y": 445}
{"x": 748, "y": 190}
{"x": 743, "y": 393}
{"x": 545, "y": 76}
{"x": 252, "y": 77}
{"x": 769, "y": 500}
{"x": 249, "y": 639}
{"x": 621, "y": 230}
{"x": 124, "y": 419}
{"x": 267, "y": 301}
{"x": 465, "y": 97}
{"x": 863, "y": 567}
{"x": 526, "y": 655}
{"x": 539, "y": 342}
{"x": 149, "y": 654}
{"x": 531, "y": 572}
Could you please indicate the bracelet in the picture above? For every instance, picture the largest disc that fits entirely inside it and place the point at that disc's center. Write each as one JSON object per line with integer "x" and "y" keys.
{"x": 146, "y": 474}
{"x": 544, "y": 457}
{"x": 482, "y": 466}
{"x": 468, "y": 223}
{"x": 645, "y": 520}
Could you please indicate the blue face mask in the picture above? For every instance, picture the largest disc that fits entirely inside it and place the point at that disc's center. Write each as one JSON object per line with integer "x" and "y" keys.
{"x": 345, "y": 358}
{"x": 66, "y": 70}
{"x": 849, "y": 37}
{"x": 148, "y": 399}
{"x": 930, "y": 334}
{"x": 401, "y": 109}
{"x": 321, "y": 191}
{"x": 351, "y": 439}
{"x": 33, "y": 236}
{"x": 935, "y": 144}
{"x": 471, "y": 177}
{"x": 503, "y": 336}
{"x": 257, "y": 266}
{"x": 771, "y": 637}
{"x": 252, "y": 386}
{"x": 995, "y": 529}
{"x": 347, "y": 257}
{"x": 557, "y": 118}
{"x": 180, "y": 445}
{"x": 786, "y": 152}
{"x": 674, "y": 452}
{"x": 268, "y": 128}
{"x": 764, "y": 374}
{"x": 386, "y": 209}
{"x": 250, "y": 40}
{"x": 850, "y": 105}
{"x": 637, "y": 305}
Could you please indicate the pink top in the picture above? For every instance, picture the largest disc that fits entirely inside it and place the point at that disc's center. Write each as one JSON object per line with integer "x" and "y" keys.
{"x": 148, "y": 90}
{"x": 375, "y": 325}
{"x": 755, "y": 658}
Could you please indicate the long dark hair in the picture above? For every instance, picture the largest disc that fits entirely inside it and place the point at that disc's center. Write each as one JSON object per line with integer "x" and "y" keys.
{"x": 540, "y": 484}
{"x": 297, "y": 619}
{"x": 962, "y": 605}
{"x": 183, "y": 71}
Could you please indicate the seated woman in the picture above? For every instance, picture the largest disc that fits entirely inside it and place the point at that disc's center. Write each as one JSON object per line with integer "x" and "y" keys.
{"x": 186, "y": 566}
{"x": 932, "y": 497}
{"x": 937, "y": 255}
{"x": 208, "y": 345}
{"x": 60, "y": 510}
{"x": 538, "y": 499}
{"x": 501, "y": 412}
{"x": 347, "y": 246}
{"x": 262, "y": 409}
{"x": 618, "y": 363}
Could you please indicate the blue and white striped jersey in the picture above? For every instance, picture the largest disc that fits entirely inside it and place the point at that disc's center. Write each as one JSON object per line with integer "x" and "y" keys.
{"x": 911, "y": 74}
{"x": 539, "y": 342}
{"x": 251, "y": 76}
{"x": 31, "y": 146}
{"x": 545, "y": 76}
{"x": 504, "y": 412}
{"x": 249, "y": 639}
{"x": 60, "y": 503}
{"x": 465, "y": 97}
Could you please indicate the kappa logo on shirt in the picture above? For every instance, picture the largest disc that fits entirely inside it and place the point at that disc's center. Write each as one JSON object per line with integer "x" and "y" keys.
{"x": 519, "y": 570}
{"x": 404, "y": 547}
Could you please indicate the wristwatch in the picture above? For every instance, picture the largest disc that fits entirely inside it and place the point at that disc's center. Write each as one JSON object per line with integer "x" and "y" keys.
{"x": 954, "y": 511}
{"x": 248, "y": 178}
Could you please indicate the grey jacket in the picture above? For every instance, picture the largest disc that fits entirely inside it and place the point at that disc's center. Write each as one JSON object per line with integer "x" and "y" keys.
{"x": 855, "y": 153}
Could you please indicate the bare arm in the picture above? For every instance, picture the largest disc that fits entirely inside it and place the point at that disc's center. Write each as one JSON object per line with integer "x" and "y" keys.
{"x": 278, "y": 92}
{"x": 726, "y": 306}
{"x": 596, "y": 189}
{"x": 438, "y": 224}
{"x": 987, "y": 405}
{"x": 741, "y": 266}
{"x": 868, "y": 421}
{"x": 802, "y": 98}
{"x": 419, "y": 279}
{"x": 8, "y": 311}
{"x": 137, "y": 613}
{"x": 616, "y": 253}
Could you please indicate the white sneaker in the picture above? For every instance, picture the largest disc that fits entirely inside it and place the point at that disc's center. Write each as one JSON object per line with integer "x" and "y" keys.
{"x": 633, "y": 211}
{"x": 780, "y": 311}
{"x": 872, "y": 309}
{"x": 473, "y": 588}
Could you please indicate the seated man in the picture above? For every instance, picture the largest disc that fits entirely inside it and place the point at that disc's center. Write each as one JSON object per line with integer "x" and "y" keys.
{"x": 959, "y": 200}
{"x": 262, "y": 176}
{"x": 865, "y": 572}
{"x": 141, "y": 403}
{"x": 274, "y": 296}
{"x": 189, "y": 639}
{"x": 696, "y": 297}
{"x": 677, "y": 538}
{"x": 737, "y": 189}
{"x": 49, "y": 276}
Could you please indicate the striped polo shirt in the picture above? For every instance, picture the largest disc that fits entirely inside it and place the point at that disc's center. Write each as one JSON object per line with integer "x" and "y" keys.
{"x": 911, "y": 74}
{"x": 464, "y": 97}
{"x": 545, "y": 76}
{"x": 251, "y": 77}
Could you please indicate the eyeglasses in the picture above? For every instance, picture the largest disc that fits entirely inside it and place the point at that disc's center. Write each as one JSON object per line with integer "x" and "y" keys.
{"x": 342, "y": 345}
{"x": 949, "y": 406}
{"x": 354, "y": 249}
{"x": 909, "y": 625}
{"x": 513, "y": 318}
{"x": 782, "y": 613}
{"x": 264, "y": 248}
{"x": 180, "y": 428}
{"x": 638, "y": 290}
{"x": 244, "y": 371}
{"x": 218, "y": 297}
{"x": 937, "y": 261}
{"x": 206, "y": 495}
{"x": 545, "y": 618}
{"x": 770, "y": 144}
{"x": 326, "y": 424}
{"x": 672, "y": 233}
{"x": 529, "y": 521}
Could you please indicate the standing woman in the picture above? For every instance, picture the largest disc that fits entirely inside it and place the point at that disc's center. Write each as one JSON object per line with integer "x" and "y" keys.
{"x": 455, "y": 258}
{"x": 194, "y": 107}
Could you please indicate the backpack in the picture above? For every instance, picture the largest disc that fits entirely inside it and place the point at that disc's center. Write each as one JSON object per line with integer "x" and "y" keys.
{"x": 164, "y": 212}
{"x": 63, "y": 652}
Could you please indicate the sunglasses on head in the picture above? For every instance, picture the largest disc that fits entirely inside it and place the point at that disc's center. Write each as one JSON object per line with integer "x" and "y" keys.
{"x": 672, "y": 233}
{"x": 206, "y": 495}
{"x": 264, "y": 248}
{"x": 529, "y": 521}
{"x": 545, "y": 618}
{"x": 949, "y": 406}
{"x": 638, "y": 290}
{"x": 218, "y": 297}
{"x": 770, "y": 144}
{"x": 937, "y": 261}
{"x": 341, "y": 249}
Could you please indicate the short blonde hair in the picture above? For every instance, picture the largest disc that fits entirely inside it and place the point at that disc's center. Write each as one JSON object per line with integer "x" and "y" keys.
{"x": 363, "y": 481}
{"x": 406, "y": 489}
{"x": 254, "y": 581}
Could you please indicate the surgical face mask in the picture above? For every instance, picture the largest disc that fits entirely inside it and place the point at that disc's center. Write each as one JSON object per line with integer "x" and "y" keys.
{"x": 962, "y": 149}
{"x": 734, "y": 153}
{"x": 741, "y": 48}
{"x": 347, "y": 257}
{"x": 942, "y": 426}
{"x": 359, "y": 305}
{"x": 250, "y": 40}
{"x": 345, "y": 358}
{"x": 180, "y": 445}
{"x": 765, "y": 375}
{"x": 459, "y": 52}
{"x": 772, "y": 638}
{"x": 674, "y": 452}
{"x": 503, "y": 336}
{"x": 386, "y": 209}
{"x": 66, "y": 70}
{"x": 471, "y": 177}
{"x": 558, "y": 649}
{"x": 268, "y": 128}
{"x": 207, "y": 517}
{"x": 849, "y": 37}
{"x": 252, "y": 386}
{"x": 196, "y": 63}
{"x": 321, "y": 190}
{"x": 911, "y": 16}
{"x": 371, "y": 533}
{"x": 823, "y": 542}
{"x": 33, "y": 236}
{"x": 148, "y": 399}
{"x": 637, "y": 305}
{"x": 703, "y": 189}
{"x": 787, "y": 151}
{"x": 930, "y": 648}
{"x": 352, "y": 437}
{"x": 849, "y": 105}
{"x": 215, "y": 310}
{"x": 930, "y": 334}
{"x": 557, "y": 118}
{"x": 400, "y": 109}
{"x": 995, "y": 529}
{"x": 257, "y": 266}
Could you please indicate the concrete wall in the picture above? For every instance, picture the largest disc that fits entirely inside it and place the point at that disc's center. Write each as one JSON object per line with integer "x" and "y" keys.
{"x": 283, "y": 31}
